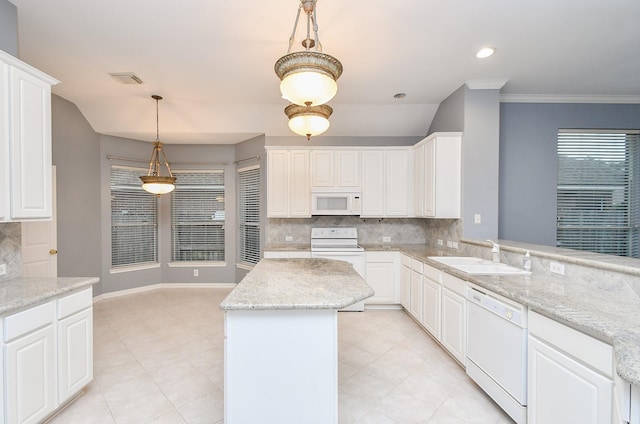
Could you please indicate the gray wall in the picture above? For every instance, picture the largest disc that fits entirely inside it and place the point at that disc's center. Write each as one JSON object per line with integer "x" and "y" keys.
{"x": 528, "y": 161}
{"x": 477, "y": 114}
{"x": 8, "y": 28}
{"x": 75, "y": 150}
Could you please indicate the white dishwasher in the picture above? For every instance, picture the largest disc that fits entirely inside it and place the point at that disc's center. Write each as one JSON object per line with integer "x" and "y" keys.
{"x": 497, "y": 349}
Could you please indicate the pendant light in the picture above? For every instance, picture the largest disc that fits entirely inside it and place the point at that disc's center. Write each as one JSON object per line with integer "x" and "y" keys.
{"x": 308, "y": 78}
{"x": 153, "y": 182}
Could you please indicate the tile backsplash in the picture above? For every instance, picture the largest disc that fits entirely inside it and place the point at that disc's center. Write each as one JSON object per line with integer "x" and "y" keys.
{"x": 10, "y": 253}
{"x": 370, "y": 230}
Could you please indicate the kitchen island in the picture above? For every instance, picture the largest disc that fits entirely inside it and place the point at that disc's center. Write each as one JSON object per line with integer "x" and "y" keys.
{"x": 281, "y": 340}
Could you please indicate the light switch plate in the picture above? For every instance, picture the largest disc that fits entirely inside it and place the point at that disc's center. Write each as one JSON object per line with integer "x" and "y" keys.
{"x": 556, "y": 268}
{"x": 3, "y": 269}
{"x": 386, "y": 239}
{"x": 288, "y": 238}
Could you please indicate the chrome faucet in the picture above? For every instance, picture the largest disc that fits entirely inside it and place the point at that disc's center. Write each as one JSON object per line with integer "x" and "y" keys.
{"x": 495, "y": 251}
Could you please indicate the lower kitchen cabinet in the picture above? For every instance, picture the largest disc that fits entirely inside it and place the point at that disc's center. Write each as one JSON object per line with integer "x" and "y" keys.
{"x": 382, "y": 277}
{"x": 415, "y": 305}
{"x": 431, "y": 303}
{"x": 30, "y": 366}
{"x": 405, "y": 282}
{"x": 569, "y": 375}
{"x": 48, "y": 357}
{"x": 454, "y": 317}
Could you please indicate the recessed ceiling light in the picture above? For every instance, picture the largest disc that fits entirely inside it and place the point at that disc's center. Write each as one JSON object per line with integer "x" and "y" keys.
{"x": 485, "y": 52}
{"x": 400, "y": 95}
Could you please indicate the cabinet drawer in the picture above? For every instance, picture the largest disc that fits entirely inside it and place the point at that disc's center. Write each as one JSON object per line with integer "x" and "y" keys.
{"x": 416, "y": 265}
{"x": 454, "y": 284}
{"x": 27, "y": 321}
{"x": 431, "y": 273}
{"x": 588, "y": 350}
{"x": 74, "y": 302}
{"x": 406, "y": 260}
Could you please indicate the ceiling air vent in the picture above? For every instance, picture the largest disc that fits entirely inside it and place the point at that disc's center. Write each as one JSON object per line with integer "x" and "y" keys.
{"x": 126, "y": 77}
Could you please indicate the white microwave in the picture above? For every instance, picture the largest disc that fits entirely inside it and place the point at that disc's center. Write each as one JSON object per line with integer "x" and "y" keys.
{"x": 335, "y": 203}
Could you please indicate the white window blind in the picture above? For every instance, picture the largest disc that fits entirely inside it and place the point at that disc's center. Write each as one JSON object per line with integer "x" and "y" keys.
{"x": 198, "y": 216}
{"x": 249, "y": 214}
{"x": 134, "y": 219}
{"x": 598, "y": 203}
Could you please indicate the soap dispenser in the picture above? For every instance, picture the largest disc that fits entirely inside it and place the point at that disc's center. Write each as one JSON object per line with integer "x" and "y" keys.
{"x": 526, "y": 262}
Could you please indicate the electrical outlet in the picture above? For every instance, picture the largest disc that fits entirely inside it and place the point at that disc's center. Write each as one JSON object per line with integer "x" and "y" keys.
{"x": 454, "y": 245}
{"x": 3, "y": 269}
{"x": 439, "y": 242}
{"x": 288, "y": 238}
{"x": 386, "y": 239}
{"x": 477, "y": 218}
{"x": 556, "y": 268}
{"x": 449, "y": 243}
{"x": 195, "y": 272}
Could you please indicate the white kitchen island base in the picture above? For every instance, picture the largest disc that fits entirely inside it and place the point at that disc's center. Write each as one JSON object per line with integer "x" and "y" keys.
{"x": 281, "y": 366}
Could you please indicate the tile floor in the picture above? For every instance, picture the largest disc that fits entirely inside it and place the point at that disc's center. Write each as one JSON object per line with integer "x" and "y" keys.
{"x": 158, "y": 358}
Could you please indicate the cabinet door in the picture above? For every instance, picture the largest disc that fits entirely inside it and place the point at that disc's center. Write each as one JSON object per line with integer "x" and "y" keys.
{"x": 562, "y": 390}
{"x": 454, "y": 318}
{"x": 447, "y": 176}
{"x": 418, "y": 181}
{"x": 300, "y": 191}
{"x": 277, "y": 184}
{"x": 30, "y": 135}
{"x": 431, "y": 306}
{"x": 30, "y": 377}
{"x": 399, "y": 176}
{"x": 429, "y": 198}
{"x": 373, "y": 183}
{"x": 347, "y": 168}
{"x": 322, "y": 168}
{"x": 4, "y": 143}
{"x": 381, "y": 277}
{"x": 405, "y": 287}
{"x": 75, "y": 354}
{"x": 416, "y": 295}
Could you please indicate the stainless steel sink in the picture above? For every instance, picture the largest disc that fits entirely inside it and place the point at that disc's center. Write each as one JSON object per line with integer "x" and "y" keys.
{"x": 478, "y": 266}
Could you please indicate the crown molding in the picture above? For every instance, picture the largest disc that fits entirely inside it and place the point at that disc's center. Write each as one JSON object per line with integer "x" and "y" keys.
{"x": 554, "y": 98}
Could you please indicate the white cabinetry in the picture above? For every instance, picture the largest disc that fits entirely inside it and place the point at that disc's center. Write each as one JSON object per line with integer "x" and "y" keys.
{"x": 569, "y": 375}
{"x": 281, "y": 254}
{"x": 431, "y": 290}
{"x": 438, "y": 176}
{"x": 288, "y": 190}
{"x": 387, "y": 183}
{"x": 30, "y": 367}
{"x": 382, "y": 276}
{"x": 454, "y": 316}
{"x": 335, "y": 168}
{"x": 25, "y": 141}
{"x": 415, "y": 305}
{"x": 405, "y": 282}
{"x": 75, "y": 344}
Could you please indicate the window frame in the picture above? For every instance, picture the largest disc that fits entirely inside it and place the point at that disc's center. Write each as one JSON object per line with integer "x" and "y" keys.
{"x": 253, "y": 252}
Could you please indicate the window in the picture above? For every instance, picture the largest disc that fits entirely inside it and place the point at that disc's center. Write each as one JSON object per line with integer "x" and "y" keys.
{"x": 249, "y": 215}
{"x": 134, "y": 219}
{"x": 197, "y": 216}
{"x": 598, "y": 198}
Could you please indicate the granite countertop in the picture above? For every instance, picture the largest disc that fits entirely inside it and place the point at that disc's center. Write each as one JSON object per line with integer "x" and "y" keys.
{"x": 298, "y": 284}
{"x": 302, "y": 247}
{"x": 19, "y": 293}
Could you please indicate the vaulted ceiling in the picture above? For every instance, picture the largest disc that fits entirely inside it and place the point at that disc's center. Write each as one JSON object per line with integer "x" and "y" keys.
{"x": 212, "y": 60}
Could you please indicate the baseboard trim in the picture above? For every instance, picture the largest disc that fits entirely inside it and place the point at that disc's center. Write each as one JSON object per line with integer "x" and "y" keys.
{"x": 151, "y": 287}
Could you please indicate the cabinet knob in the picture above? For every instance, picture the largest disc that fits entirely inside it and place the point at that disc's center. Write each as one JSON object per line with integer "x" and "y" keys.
{"x": 53, "y": 252}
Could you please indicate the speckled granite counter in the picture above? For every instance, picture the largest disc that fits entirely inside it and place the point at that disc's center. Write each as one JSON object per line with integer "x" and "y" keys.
{"x": 19, "y": 293}
{"x": 297, "y": 247}
{"x": 298, "y": 284}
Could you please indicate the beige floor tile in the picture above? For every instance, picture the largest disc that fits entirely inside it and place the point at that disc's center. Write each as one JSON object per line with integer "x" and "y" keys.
{"x": 171, "y": 417}
{"x": 204, "y": 410}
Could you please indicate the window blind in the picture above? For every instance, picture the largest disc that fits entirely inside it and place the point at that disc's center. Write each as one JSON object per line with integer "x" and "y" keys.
{"x": 198, "y": 216}
{"x": 597, "y": 201}
{"x": 249, "y": 214}
{"x": 134, "y": 219}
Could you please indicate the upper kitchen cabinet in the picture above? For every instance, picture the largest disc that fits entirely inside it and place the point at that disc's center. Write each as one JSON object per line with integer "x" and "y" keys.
{"x": 288, "y": 190}
{"x": 438, "y": 176}
{"x": 387, "y": 181}
{"x": 332, "y": 168}
{"x": 25, "y": 147}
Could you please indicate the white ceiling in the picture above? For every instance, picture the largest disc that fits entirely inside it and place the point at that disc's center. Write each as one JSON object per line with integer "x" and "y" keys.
{"x": 212, "y": 60}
